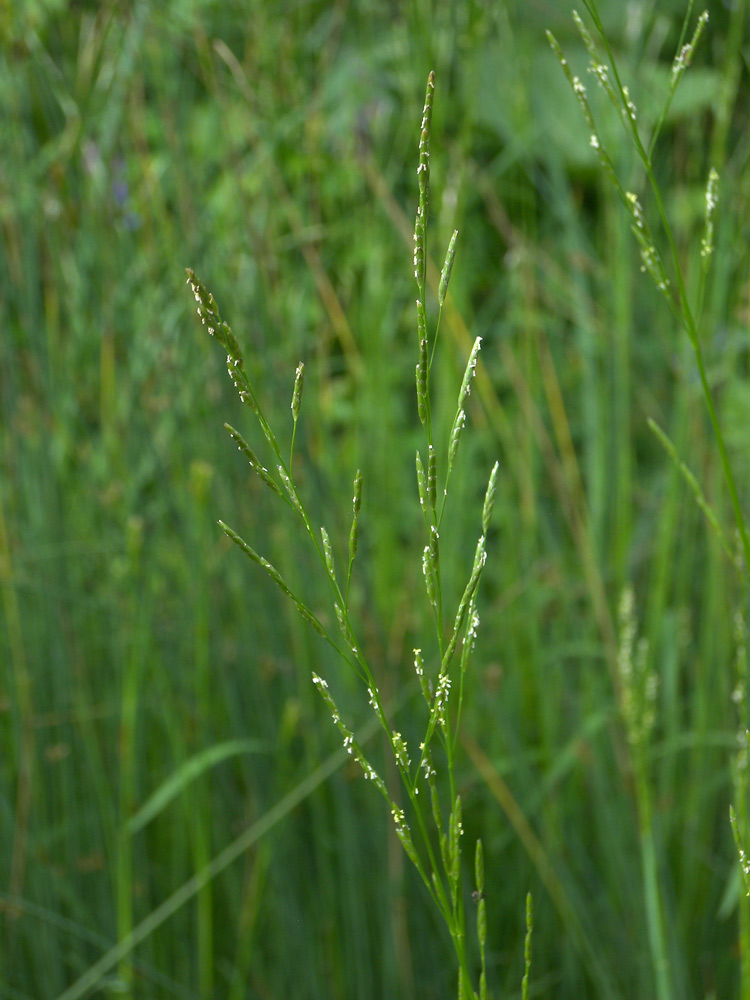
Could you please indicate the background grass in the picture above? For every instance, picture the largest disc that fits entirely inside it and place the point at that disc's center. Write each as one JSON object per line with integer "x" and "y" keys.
{"x": 273, "y": 147}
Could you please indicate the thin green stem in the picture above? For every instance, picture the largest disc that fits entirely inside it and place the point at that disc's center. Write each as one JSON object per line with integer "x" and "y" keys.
{"x": 654, "y": 912}
{"x": 686, "y": 314}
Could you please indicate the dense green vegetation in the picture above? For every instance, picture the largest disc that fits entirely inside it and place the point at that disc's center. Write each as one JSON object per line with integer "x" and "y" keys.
{"x": 272, "y": 147}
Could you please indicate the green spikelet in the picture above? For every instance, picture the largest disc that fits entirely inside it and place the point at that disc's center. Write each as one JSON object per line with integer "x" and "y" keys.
{"x": 356, "y": 505}
{"x": 445, "y": 274}
{"x": 422, "y": 382}
{"x": 423, "y": 176}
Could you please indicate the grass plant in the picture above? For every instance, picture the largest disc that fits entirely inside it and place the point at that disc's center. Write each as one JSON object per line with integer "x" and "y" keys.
{"x": 434, "y": 848}
{"x": 638, "y": 680}
{"x": 176, "y": 822}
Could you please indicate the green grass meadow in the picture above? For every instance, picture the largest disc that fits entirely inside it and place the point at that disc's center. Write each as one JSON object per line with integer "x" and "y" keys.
{"x": 169, "y": 777}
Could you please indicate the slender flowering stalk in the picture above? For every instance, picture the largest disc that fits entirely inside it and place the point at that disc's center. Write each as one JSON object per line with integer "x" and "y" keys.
{"x": 672, "y": 287}
{"x": 637, "y": 678}
{"x": 435, "y": 853}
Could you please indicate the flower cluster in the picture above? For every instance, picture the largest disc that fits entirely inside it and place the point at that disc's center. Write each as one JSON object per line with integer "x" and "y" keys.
{"x": 400, "y": 752}
{"x": 441, "y": 699}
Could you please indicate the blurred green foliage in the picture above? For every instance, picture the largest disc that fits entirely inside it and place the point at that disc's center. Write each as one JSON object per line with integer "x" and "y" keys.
{"x": 272, "y": 146}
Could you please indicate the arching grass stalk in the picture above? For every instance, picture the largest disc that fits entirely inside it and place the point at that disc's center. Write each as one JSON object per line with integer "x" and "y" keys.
{"x": 672, "y": 287}
{"x": 638, "y": 681}
{"x": 430, "y": 828}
